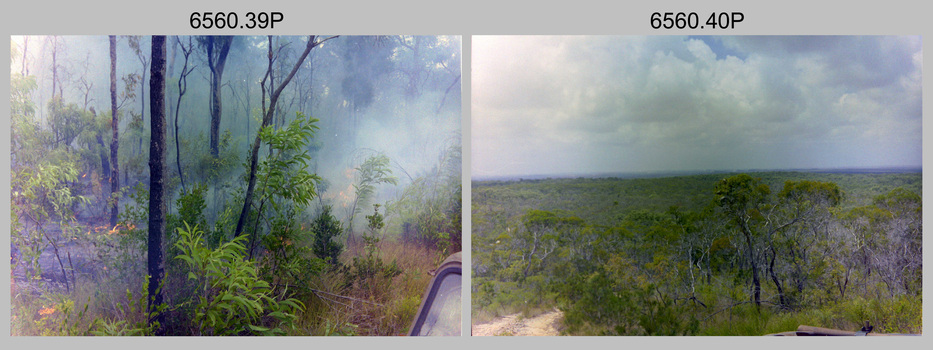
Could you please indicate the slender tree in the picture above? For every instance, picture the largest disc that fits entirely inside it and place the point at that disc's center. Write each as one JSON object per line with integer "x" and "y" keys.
{"x": 86, "y": 84}
{"x": 114, "y": 125}
{"x": 156, "y": 171}
{"x": 55, "y": 45}
{"x": 217, "y": 48}
{"x": 741, "y": 196}
{"x": 136, "y": 45}
{"x": 266, "y": 119}
{"x": 182, "y": 88}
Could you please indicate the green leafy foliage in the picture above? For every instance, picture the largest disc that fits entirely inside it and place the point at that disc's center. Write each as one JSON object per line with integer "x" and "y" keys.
{"x": 191, "y": 207}
{"x": 365, "y": 269}
{"x": 285, "y": 182}
{"x": 288, "y": 260}
{"x": 326, "y": 228}
{"x": 67, "y": 121}
{"x": 39, "y": 195}
{"x": 373, "y": 171}
{"x": 285, "y": 173}
{"x": 232, "y": 299}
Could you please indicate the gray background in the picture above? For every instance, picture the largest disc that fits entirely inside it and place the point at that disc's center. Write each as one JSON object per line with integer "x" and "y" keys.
{"x": 890, "y": 17}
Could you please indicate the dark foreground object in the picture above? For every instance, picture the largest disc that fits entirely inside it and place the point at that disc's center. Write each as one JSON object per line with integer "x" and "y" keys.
{"x": 439, "y": 313}
{"x": 809, "y": 331}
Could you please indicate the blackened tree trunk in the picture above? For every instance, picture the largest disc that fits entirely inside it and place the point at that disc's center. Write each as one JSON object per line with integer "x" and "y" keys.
{"x": 216, "y": 62}
{"x": 156, "y": 172}
{"x": 114, "y": 142}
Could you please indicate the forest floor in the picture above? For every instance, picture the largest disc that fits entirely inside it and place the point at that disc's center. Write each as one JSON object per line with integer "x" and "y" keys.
{"x": 78, "y": 257}
{"x": 545, "y": 324}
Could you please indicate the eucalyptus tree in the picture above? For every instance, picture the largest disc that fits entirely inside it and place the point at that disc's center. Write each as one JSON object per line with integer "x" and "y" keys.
{"x": 268, "y": 112}
{"x": 741, "y": 197}
{"x": 57, "y": 45}
{"x": 135, "y": 43}
{"x": 86, "y": 85}
{"x": 182, "y": 88}
{"x": 762, "y": 218}
{"x": 885, "y": 241}
{"x": 808, "y": 203}
{"x": 217, "y": 48}
{"x": 428, "y": 62}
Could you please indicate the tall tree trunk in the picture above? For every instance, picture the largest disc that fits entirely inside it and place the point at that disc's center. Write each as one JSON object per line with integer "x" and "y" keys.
{"x": 310, "y": 92}
{"x": 249, "y": 115}
{"x": 774, "y": 278}
{"x": 104, "y": 160}
{"x": 114, "y": 126}
{"x": 156, "y": 173}
{"x": 216, "y": 64}
{"x": 534, "y": 249}
{"x": 756, "y": 281}
{"x": 170, "y": 69}
{"x": 182, "y": 88}
{"x": 266, "y": 119}
{"x": 54, "y": 65}
{"x": 271, "y": 83}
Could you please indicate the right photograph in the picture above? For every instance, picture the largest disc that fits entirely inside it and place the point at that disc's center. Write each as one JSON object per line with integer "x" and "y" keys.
{"x": 696, "y": 185}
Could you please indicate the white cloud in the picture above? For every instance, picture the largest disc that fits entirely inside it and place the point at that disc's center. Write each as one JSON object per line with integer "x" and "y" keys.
{"x": 674, "y": 103}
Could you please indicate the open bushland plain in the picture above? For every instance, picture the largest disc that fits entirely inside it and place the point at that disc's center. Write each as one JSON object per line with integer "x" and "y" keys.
{"x": 712, "y": 254}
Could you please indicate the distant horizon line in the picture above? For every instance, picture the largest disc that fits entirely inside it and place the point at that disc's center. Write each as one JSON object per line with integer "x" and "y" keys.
{"x": 664, "y": 173}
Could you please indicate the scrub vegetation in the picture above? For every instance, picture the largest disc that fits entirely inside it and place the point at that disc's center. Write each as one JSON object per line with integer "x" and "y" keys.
{"x": 712, "y": 254}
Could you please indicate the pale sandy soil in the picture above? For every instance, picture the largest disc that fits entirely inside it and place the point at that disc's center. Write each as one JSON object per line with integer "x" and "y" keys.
{"x": 513, "y": 325}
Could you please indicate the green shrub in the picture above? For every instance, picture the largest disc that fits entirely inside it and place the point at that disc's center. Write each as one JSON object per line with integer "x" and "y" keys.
{"x": 365, "y": 269}
{"x": 232, "y": 299}
{"x": 326, "y": 228}
{"x": 288, "y": 260}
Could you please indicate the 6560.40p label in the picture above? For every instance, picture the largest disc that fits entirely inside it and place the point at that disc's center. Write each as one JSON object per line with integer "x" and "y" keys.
{"x": 691, "y": 20}
{"x": 231, "y": 20}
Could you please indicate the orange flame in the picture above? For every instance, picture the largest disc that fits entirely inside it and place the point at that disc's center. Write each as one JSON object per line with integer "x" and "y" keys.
{"x": 47, "y": 311}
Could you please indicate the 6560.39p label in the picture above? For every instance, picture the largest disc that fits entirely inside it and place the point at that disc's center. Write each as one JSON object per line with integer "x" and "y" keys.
{"x": 691, "y": 20}
{"x": 231, "y": 20}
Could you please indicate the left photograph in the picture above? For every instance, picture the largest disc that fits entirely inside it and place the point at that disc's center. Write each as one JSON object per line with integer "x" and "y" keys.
{"x": 235, "y": 185}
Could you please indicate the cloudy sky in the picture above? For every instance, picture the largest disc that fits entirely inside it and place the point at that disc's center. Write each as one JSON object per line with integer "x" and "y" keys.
{"x": 586, "y": 105}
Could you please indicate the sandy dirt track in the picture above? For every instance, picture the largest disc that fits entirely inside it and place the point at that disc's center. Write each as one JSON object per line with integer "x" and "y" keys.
{"x": 513, "y": 325}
